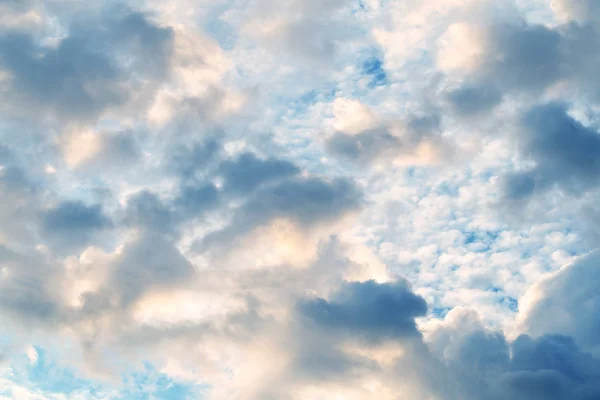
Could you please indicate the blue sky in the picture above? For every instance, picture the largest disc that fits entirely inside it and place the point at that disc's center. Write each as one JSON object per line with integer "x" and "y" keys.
{"x": 303, "y": 200}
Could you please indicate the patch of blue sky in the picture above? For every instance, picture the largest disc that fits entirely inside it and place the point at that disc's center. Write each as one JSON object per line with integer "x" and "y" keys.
{"x": 152, "y": 384}
{"x": 373, "y": 67}
{"x": 447, "y": 189}
{"x": 479, "y": 241}
{"x": 509, "y": 302}
{"x": 361, "y": 6}
{"x": 219, "y": 29}
{"x": 38, "y": 373}
{"x": 301, "y": 103}
{"x": 440, "y": 312}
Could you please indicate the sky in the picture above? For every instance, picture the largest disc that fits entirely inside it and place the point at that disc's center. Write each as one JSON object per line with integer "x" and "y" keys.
{"x": 300, "y": 200}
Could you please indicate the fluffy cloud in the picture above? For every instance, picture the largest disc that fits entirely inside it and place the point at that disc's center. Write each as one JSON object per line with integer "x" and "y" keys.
{"x": 229, "y": 200}
{"x": 82, "y": 76}
{"x": 564, "y": 151}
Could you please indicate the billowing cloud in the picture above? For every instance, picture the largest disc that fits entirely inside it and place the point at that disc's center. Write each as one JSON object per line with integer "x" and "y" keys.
{"x": 566, "y": 303}
{"x": 73, "y": 223}
{"x": 309, "y": 200}
{"x": 564, "y": 151}
{"x": 369, "y": 310}
{"x": 81, "y": 76}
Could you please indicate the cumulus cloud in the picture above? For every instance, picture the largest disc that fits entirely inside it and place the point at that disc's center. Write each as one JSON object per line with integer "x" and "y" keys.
{"x": 369, "y": 310}
{"x": 564, "y": 151}
{"x": 81, "y": 76}
{"x": 566, "y": 303}
{"x": 363, "y": 137}
{"x": 248, "y": 200}
{"x": 73, "y": 223}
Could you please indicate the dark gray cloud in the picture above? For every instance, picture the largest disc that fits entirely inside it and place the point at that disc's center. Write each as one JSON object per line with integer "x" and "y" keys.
{"x": 247, "y": 172}
{"x": 146, "y": 210}
{"x": 307, "y": 202}
{"x": 550, "y": 367}
{"x": 73, "y": 224}
{"x": 368, "y": 310}
{"x": 149, "y": 262}
{"x": 486, "y": 366}
{"x": 524, "y": 56}
{"x": 474, "y": 100}
{"x": 59, "y": 79}
{"x": 28, "y": 289}
{"x": 83, "y": 75}
{"x": 195, "y": 200}
{"x": 187, "y": 161}
{"x": 566, "y": 154}
{"x": 13, "y": 177}
{"x": 380, "y": 143}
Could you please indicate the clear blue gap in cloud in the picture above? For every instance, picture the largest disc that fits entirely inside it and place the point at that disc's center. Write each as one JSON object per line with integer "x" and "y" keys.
{"x": 39, "y": 372}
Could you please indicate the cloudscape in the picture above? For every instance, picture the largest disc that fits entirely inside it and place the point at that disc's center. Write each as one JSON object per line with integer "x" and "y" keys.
{"x": 300, "y": 199}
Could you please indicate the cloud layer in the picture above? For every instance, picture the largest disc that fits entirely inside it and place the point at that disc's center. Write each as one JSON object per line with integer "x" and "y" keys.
{"x": 310, "y": 200}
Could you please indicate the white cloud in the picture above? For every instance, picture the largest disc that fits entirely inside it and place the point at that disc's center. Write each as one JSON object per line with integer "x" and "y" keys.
{"x": 235, "y": 192}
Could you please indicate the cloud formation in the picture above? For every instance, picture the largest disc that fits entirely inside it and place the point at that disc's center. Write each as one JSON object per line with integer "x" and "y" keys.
{"x": 309, "y": 200}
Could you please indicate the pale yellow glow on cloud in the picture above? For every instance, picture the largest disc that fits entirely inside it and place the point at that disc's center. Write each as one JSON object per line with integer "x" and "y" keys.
{"x": 352, "y": 117}
{"x": 86, "y": 274}
{"x": 183, "y": 305}
{"x": 461, "y": 48}
{"x": 199, "y": 66}
{"x": 279, "y": 243}
{"x": 425, "y": 153}
{"x": 80, "y": 147}
{"x": 198, "y": 62}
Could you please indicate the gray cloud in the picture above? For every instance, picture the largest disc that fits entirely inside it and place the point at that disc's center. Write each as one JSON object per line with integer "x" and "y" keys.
{"x": 566, "y": 154}
{"x": 474, "y": 100}
{"x": 73, "y": 224}
{"x": 368, "y": 310}
{"x": 247, "y": 172}
{"x": 146, "y": 210}
{"x": 365, "y": 147}
{"x": 195, "y": 200}
{"x": 26, "y": 289}
{"x": 569, "y": 303}
{"x": 307, "y": 202}
{"x": 82, "y": 76}
{"x": 524, "y": 56}
{"x": 187, "y": 161}
{"x": 149, "y": 262}
{"x": 381, "y": 143}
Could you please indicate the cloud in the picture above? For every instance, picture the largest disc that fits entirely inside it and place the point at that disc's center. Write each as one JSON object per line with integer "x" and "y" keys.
{"x": 564, "y": 151}
{"x": 566, "y": 303}
{"x": 474, "y": 100}
{"x": 81, "y": 77}
{"x": 585, "y": 10}
{"x": 186, "y": 161}
{"x": 27, "y": 293}
{"x": 248, "y": 172}
{"x": 233, "y": 197}
{"x": 287, "y": 29}
{"x": 72, "y": 224}
{"x": 148, "y": 262}
{"x": 307, "y": 202}
{"x": 101, "y": 150}
{"x": 369, "y": 310}
{"x": 364, "y": 138}
{"x": 146, "y": 210}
